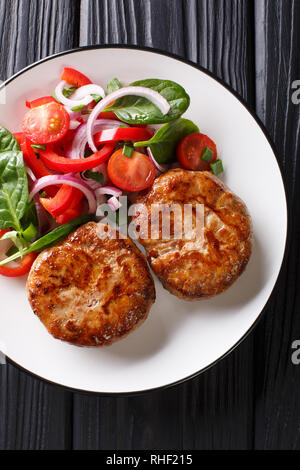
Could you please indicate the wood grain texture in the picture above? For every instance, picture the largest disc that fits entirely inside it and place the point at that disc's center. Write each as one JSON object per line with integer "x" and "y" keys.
{"x": 34, "y": 415}
{"x": 215, "y": 410}
{"x": 277, "y": 379}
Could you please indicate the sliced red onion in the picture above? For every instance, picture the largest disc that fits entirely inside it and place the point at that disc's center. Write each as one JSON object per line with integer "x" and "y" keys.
{"x": 70, "y": 102}
{"x": 109, "y": 190}
{"x": 87, "y": 90}
{"x": 160, "y": 168}
{"x": 74, "y": 124}
{"x": 65, "y": 179}
{"x": 30, "y": 174}
{"x": 152, "y": 95}
{"x": 114, "y": 203}
{"x": 80, "y": 139}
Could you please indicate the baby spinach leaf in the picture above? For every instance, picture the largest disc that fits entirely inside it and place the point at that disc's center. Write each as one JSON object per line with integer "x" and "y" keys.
{"x": 137, "y": 110}
{"x": 13, "y": 189}
{"x": 7, "y": 140}
{"x": 164, "y": 142}
{"x": 30, "y": 216}
{"x": 113, "y": 85}
{"x": 55, "y": 235}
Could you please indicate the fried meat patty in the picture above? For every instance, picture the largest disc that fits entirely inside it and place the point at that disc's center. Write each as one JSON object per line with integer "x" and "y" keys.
{"x": 89, "y": 290}
{"x": 195, "y": 267}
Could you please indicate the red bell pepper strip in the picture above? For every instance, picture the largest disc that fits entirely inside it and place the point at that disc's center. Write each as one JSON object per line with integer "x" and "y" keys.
{"x": 20, "y": 270}
{"x": 74, "y": 78}
{"x": 40, "y": 102}
{"x": 35, "y": 164}
{"x": 70, "y": 214}
{"x": 122, "y": 133}
{"x": 65, "y": 198}
{"x": 62, "y": 197}
{"x": 68, "y": 165}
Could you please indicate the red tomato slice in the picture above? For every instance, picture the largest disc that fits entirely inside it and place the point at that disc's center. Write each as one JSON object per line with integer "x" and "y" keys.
{"x": 20, "y": 270}
{"x": 190, "y": 151}
{"x": 131, "y": 174}
{"x": 40, "y": 101}
{"x": 46, "y": 124}
{"x": 75, "y": 78}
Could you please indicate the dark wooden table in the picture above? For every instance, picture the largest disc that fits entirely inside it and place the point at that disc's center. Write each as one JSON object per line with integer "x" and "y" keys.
{"x": 251, "y": 398}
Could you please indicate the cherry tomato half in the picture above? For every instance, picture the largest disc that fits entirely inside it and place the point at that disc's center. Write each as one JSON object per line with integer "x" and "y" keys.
{"x": 190, "y": 150}
{"x": 131, "y": 174}
{"x": 46, "y": 124}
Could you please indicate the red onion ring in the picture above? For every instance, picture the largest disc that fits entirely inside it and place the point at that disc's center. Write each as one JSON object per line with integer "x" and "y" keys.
{"x": 114, "y": 203}
{"x": 69, "y": 102}
{"x": 110, "y": 190}
{"x": 80, "y": 140}
{"x": 153, "y": 96}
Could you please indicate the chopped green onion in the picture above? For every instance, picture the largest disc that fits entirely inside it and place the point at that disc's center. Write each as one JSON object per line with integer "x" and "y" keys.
{"x": 217, "y": 167}
{"x": 86, "y": 111}
{"x": 207, "y": 155}
{"x": 68, "y": 91}
{"x": 38, "y": 146}
{"x": 76, "y": 109}
{"x": 29, "y": 233}
{"x": 128, "y": 151}
{"x": 94, "y": 175}
{"x": 97, "y": 98}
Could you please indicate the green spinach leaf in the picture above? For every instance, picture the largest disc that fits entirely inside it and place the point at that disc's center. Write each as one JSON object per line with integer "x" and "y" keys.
{"x": 51, "y": 237}
{"x": 113, "y": 85}
{"x": 13, "y": 189}
{"x": 7, "y": 140}
{"x": 137, "y": 110}
{"x": 164, "y": 142}
{"x": 30, "y": 216}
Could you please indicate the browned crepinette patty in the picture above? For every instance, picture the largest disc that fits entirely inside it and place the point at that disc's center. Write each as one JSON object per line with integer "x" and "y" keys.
{"x": 89, "y": 290}
{"x": 203, "y": 266}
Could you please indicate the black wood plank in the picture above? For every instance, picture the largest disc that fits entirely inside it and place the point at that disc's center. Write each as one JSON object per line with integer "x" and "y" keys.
{"x": 277, "y": 379}
{"x": 34, "y": 415}
{"x": 215, "y": 410}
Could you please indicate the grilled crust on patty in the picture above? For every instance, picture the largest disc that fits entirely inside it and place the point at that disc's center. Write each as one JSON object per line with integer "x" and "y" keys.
{"x": 91, "y": 291}
{"x": 199, "y": 268}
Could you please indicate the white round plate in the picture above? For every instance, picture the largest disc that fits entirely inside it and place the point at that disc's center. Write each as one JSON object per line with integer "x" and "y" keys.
{"x": 179, "y": 339}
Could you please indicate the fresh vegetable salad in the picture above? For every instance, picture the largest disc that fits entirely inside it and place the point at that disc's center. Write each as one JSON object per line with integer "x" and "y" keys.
{"x": 82, "y": 146}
